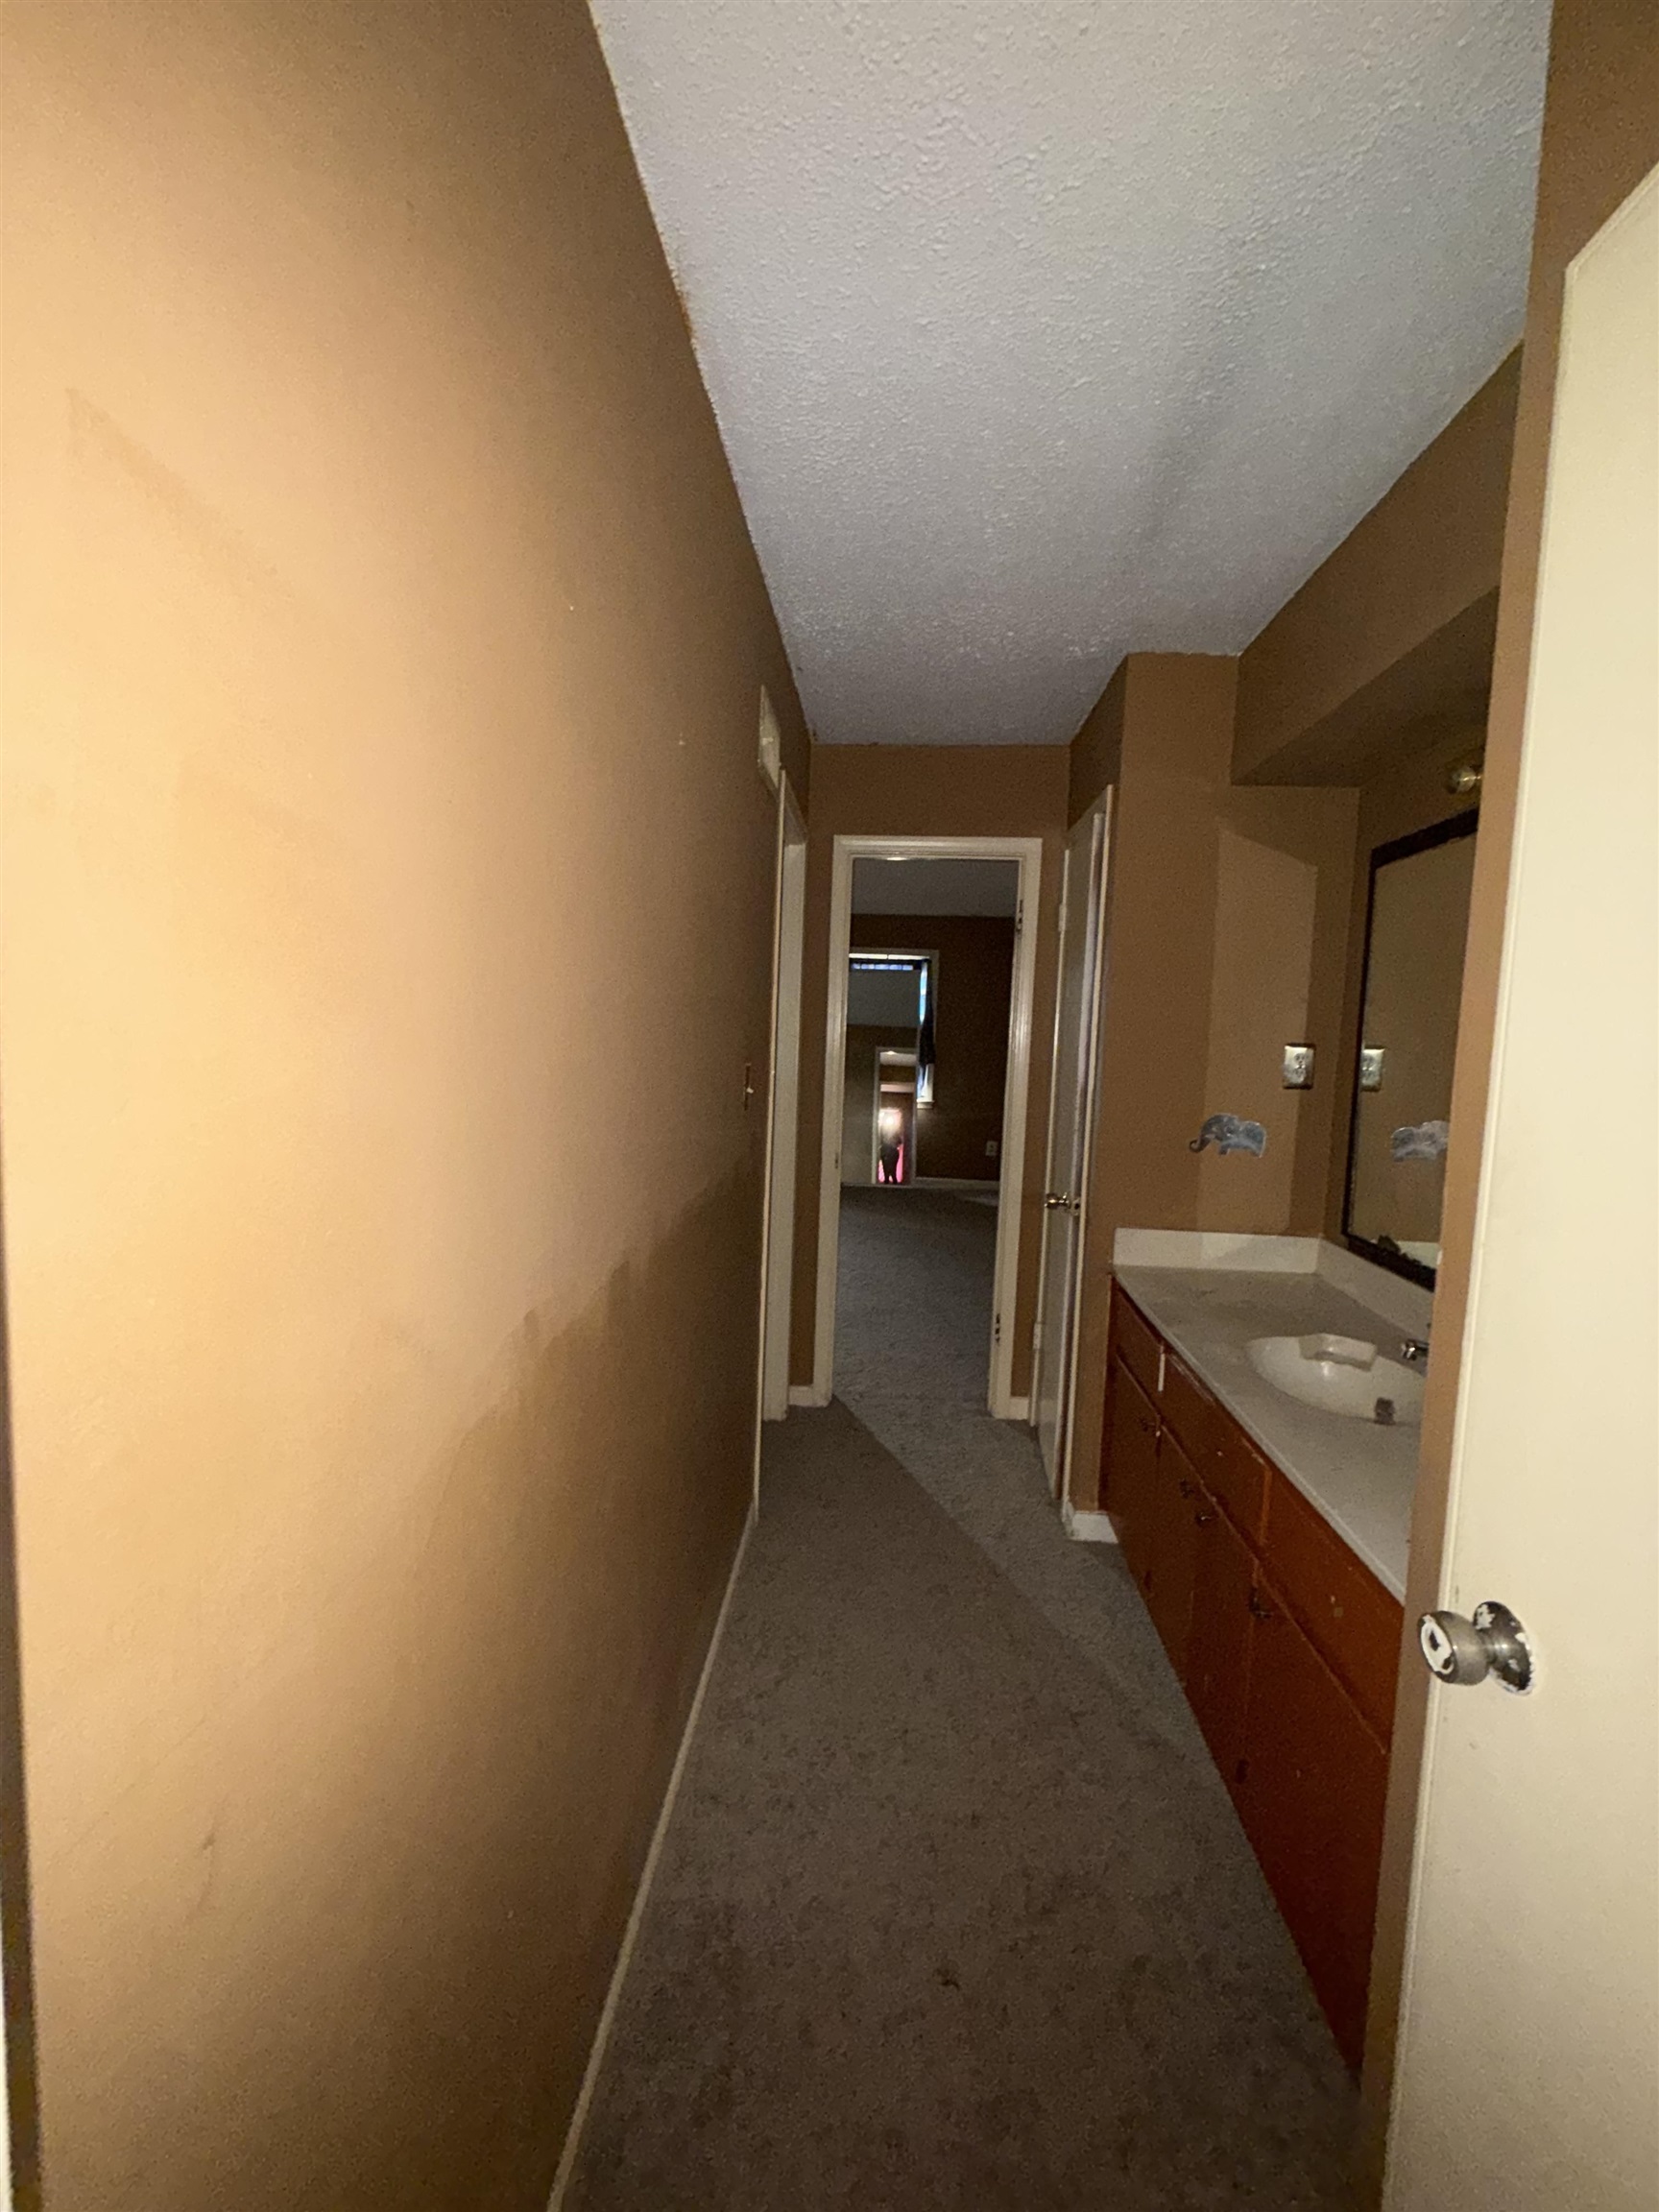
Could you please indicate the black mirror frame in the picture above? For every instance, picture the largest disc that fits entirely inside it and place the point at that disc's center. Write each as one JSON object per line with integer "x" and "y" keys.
{"x": 1463, "y": 824}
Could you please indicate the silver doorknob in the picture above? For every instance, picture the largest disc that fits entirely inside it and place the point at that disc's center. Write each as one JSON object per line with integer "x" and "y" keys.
{"x": 1460, "y": 1651}
{"x": 1058, "y": 1199}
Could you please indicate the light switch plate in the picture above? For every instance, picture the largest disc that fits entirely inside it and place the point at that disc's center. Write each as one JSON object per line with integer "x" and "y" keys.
{"x": 1298, "y": 1068}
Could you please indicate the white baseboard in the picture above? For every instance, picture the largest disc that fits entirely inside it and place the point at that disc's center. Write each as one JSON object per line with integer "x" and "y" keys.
{"x": 1087, "y": 1527}
{"x": 806, "y": 1394}
{"x": 642, "y": 1895}
{"x": 1019, "y": 1409}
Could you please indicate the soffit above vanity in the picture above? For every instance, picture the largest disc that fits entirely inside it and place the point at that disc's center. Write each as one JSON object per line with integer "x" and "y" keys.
{"x": 1388, "y": 644}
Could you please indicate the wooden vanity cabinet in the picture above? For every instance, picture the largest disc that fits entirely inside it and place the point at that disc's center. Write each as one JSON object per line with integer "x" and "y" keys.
{"x": 1309, "y": 1786}
{"x": 1343, "y": 1608}
{"x": 1218, "y": 1643}
{"x": 1286, "y": 1642}
{"x": 1168, "y": 1586}
{"x": 1132, "y": 1448}
{"x": 1150, "y": 1513}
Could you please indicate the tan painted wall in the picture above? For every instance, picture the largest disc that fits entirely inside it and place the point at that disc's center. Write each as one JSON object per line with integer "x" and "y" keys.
{"x": 1396, "y": 624}
{"x": 1161, "y": 936}
{"x": 1097, "y": 749}
{"x": 936, "y": 791}
{"x": 1226, "y": 941}
{"x": 1284, "y": 888}
{"x": 1600, "y": 138}
{"x": 382, "y": 649}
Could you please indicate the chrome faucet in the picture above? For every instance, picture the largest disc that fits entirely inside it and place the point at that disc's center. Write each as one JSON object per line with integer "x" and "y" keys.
{"x": 1414, "y": 1351}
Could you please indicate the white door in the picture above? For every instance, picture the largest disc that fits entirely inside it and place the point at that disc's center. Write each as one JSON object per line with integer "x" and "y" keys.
{"x": 1528, "y": 2065}
{"x": 779, "y": 1269}
{"x": 1071, "y": 1115}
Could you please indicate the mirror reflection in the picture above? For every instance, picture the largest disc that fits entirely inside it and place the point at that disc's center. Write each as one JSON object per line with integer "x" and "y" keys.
{"x": 1418, "y": 920}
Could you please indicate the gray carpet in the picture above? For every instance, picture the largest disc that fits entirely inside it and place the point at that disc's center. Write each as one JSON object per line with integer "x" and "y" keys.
{"x": 954, "y": 1912}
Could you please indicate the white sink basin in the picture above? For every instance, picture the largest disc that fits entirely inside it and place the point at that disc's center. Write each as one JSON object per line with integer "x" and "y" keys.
{"x": 1339, "y": 1375}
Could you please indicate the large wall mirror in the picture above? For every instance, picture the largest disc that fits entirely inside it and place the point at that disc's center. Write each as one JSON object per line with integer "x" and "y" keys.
{"x": 1416, "y": 923}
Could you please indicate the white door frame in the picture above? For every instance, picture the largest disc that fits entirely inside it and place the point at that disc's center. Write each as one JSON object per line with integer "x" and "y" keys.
{"x": 782, "y": 1112}
{"x": 1096, "y": 887}
{"x": 1027, "y": 853}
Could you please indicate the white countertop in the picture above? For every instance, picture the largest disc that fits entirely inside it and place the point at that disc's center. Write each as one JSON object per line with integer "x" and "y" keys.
{"x": 1360, "y": 1475}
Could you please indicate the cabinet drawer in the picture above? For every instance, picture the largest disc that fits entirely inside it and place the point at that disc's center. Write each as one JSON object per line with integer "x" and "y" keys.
{"x": 1237, "y": 1476}
{"x": 1351, "y": 1618}
{"x": 1136, "y": 1342}
{"x": 1191, "y": 1412}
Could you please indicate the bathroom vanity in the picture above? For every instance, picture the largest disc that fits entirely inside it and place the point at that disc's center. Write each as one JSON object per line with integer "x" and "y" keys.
{"x": 1267, "y": 1533}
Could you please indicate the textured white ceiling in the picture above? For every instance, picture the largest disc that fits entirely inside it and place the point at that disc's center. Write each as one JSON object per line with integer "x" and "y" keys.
{"x": 1043, "y": 330}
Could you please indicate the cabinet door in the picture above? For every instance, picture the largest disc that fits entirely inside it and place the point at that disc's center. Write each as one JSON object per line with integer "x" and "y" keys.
{"x": 1136, "y": 1342}
{"x": 1178, "y": 1496}
{"x": 1218, "y": 1643}
{"x": 1237, "y": 1477}
{"x": 1129, "y": 1477}
{"x": 1310, "y": 1796}
{"x": 1351, "y": 1619}
{"x": 1193, "y": 1414}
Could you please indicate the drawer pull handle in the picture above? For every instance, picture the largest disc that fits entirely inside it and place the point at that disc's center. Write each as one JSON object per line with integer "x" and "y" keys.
{"x": 1259, "y": 1610}
{"x": 1202, "y": 1520}
{"x": 1187, "y": 1489}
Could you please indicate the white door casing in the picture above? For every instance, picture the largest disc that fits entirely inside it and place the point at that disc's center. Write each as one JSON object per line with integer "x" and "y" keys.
{"x": 1027, "y": 852}
{"x": 1070, "y": 1137}
{"x": 784, "y": 1106}
{"x": 1528, "y": 2071}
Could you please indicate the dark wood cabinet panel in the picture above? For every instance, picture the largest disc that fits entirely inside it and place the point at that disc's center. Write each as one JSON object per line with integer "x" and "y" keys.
{"x": 1130, "y": 1475}
{"x": 1238, "y": 1477}
{"x": 1196, "y": 1416}
{"x": 1218, "y": 1642}
{"x": 1137, "y": 1343}
{"x": 1285, "y": 1642}
{"x": 1354, "y": 1622}
{"x": 1311, "y": 1794}
{"x": 1180, "y": 1499}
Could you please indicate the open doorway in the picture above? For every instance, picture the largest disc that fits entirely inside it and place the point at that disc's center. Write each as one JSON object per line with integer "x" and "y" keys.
{"x": 931, "y": 986}
{"x": 886, "y": 1067}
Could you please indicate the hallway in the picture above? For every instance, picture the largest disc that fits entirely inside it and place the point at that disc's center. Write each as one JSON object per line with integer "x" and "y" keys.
{"x": 954, "y": 1910}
